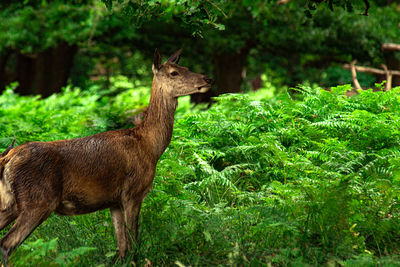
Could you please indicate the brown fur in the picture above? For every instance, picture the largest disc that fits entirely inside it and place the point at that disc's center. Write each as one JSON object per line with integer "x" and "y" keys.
{"x": 112, "y": 170}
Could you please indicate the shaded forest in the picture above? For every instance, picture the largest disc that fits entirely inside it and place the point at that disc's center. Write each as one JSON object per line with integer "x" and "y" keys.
{"x": 45, "y": 45}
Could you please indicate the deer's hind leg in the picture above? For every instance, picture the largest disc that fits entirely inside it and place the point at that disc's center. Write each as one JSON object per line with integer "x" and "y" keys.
{"x": 24, "y": 225}
{"x": 7, "y": 216}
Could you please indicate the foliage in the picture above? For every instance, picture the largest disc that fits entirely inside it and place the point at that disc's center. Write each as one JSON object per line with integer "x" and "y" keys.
{"x": 69, "y": 115}
{"x": 192, "y": 15}
{"x": 310, "y": 179}
{"x": 326, "y": 161}
{"x": 40, "y": 253}
{"x": 34, "y": 28}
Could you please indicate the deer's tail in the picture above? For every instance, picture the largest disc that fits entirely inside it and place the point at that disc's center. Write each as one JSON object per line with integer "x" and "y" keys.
{"x": 11, "y": 146}
{"x": 7, "y": 198}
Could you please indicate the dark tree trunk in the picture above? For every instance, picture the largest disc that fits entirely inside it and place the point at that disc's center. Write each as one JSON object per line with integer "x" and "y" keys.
{"x": 228, "y": 73}
{"x": 45, "y": 73}
{"x": 5, "y": 77}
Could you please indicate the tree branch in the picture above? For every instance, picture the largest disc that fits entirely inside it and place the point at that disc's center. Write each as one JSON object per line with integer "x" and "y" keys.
{"x": 390, "y": 47}
{"x": 354, "y": 75}
{"x": 217, "y": 7}
{"x": 366, "y": 2}
{"x": 388, "y": 78}
{"x": 371, "y": 70}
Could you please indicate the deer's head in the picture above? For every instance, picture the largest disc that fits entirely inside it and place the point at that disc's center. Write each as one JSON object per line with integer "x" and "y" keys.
{"x": 176, "y": 80}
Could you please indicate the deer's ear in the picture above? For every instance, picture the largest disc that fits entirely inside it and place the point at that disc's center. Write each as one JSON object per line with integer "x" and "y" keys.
{"x": 175, "y": 57}
{"x": 156, "y": 60}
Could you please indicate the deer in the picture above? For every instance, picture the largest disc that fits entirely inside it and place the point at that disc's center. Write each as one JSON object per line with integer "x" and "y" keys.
{"x": 110, "y": 170}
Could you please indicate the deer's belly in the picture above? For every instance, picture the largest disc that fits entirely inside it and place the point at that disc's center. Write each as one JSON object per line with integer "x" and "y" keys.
{"x": 75, "y": 206}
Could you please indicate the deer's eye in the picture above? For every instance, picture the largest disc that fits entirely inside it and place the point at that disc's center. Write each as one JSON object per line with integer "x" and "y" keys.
{"x": 174, "y": 73}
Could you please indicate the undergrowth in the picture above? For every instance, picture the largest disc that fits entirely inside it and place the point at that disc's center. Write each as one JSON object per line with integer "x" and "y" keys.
{"x": 310, "y": 178}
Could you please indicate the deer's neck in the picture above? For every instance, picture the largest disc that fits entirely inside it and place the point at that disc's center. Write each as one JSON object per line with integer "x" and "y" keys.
{"x": 159, "y": 121}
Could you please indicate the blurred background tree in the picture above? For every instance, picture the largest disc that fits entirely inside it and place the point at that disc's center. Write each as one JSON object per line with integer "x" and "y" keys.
{"x": 46, "y": 44}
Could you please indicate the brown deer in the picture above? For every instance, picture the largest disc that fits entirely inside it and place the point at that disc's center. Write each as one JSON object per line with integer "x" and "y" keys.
{"x": 113, "y": 169}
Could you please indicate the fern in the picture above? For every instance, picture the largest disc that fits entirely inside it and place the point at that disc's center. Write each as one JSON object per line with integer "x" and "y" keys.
{"x": 308, "y": 178}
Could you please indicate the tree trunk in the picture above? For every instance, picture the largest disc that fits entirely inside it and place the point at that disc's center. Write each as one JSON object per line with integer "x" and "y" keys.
{"x": 228, "y": 73}
{"x": 45, "y": 73}
{"x": 5, "y": 76}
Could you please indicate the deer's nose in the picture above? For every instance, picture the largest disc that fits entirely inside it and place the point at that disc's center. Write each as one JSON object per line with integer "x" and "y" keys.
{"x": 208, "y": 80}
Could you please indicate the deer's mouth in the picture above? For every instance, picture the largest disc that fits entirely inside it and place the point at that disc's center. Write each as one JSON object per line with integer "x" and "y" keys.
{"x": 205, "y": 87}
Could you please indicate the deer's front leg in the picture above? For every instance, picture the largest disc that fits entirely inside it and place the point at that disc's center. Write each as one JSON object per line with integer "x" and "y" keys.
{"x": 118, "y": 220}
{"x": 125, "y": 225}
{"x": 131, "y": 212}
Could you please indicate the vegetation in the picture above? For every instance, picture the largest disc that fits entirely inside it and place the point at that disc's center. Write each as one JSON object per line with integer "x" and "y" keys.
{"x": 310, "y": 178}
